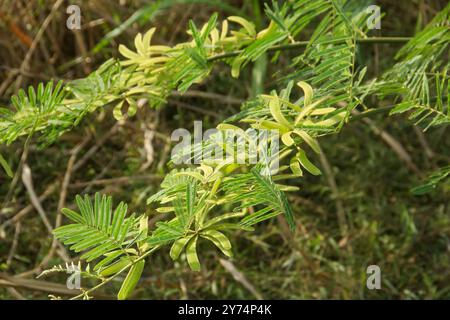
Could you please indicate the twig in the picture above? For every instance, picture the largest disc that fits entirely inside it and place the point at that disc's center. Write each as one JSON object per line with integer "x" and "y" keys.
{"x": 301, "y": 44}
{"x": 26, "y": 61}
{"x": 11, "y": 281}
{"x": 329, "y": 175}
{"x": 194, "y": 108}
{"x": 22, "y": 213}
{"x": 15, "y": 180}
{"x": 65, "y": 184}
{"x": 13, "y": 249}
{"x": 107, "y": 280}
{"x": 119, "y": 180}
{"x": 209, "y": 95}
{"x": 393, "y": 144}
{"x": 16, "y": 294}
{"x": 28, "y": 182}
{"x": 94, "y": 148}
{"x": 423, "y": 142}
{"x": 39, "y": 285}
{"x": 84, "y": 52}
{"x": 52, "y": 187}
{"x": 149, "y": 134}
{"x": 240, "y": 277}
{"x": 104, "y": 171}
{"x": 183, "y": 288}
{"x": 62, "y": 201}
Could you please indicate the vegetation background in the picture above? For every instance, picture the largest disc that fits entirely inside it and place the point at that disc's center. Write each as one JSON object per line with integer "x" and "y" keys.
{"x": 369, "y": 167}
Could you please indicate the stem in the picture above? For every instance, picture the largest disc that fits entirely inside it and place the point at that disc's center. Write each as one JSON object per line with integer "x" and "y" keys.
{"x": 301, "y": 44}
{"x": 101, "y": 284}
{"x": 371, "y": 112}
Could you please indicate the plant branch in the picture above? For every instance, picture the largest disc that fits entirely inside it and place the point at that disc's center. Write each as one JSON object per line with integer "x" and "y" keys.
{"x": 101, "y": 284}
{"x": 301, "y": 44}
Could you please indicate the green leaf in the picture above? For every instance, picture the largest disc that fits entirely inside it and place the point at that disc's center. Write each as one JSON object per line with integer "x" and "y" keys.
{"x": 191, "y": 254}
{"x": 6, "y": 166}
{"x": 309, "y": 140}
{"x": 72, "y": 215}
{"x": 287, "y": 139}
{"x": 178, "y": 246}
{"x": 308, "y": 91}
{"x": 403, "y": 107}
{"x": 115, "y": 267}
{"x": 278, "y": 198}
{"x": 110, "y": 257}
{"x": 236, "y": 67}
{"x": 219, "y": 240}
{"x": 275, "y": 110}
{"x": 117, "y": 111}
{"x": 132, "y": 107}
{"x": 248, "y": 26}
{"x": 303, "y": 159}
{"x": 131, "y": 280}
{"x": 226, "y": 216}
{"x": 94, "y": 231}
{"x": 295, "y": 167}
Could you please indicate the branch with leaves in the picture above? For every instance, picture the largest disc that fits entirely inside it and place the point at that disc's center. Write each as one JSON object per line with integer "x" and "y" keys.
{"x": 208, "y": 202}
